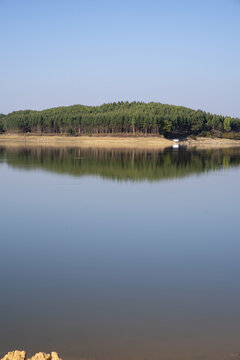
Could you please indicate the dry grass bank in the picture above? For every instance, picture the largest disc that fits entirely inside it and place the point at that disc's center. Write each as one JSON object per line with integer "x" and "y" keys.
{"x": 201, "y": 142}
{"x": 112, "y": 142}
{"x": 88, "y": 141}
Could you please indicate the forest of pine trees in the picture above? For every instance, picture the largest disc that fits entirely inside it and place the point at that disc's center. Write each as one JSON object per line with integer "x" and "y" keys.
{"x": 121, "y": 118}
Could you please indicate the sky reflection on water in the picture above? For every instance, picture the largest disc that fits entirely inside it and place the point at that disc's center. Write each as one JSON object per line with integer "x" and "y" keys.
{"x": 95, "y": 267}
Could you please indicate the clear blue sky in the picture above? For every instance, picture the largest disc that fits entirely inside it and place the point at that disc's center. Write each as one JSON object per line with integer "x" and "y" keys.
{"x": 63, "y": 52}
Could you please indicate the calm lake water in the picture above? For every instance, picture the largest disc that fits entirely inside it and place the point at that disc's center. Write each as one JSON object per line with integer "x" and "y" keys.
{"x": 120, "y": 255}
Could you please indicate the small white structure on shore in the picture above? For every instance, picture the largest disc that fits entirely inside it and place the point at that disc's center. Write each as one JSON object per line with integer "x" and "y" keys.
{"x": 176, "y": 145}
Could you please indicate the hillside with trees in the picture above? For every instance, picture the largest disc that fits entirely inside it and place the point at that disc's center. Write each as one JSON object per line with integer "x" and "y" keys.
{"x": 135, "y": 118}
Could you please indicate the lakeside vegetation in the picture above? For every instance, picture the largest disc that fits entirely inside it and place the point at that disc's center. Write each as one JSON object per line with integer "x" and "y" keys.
{"x": 121, "y": 165}
{"x": 133, "y": 118}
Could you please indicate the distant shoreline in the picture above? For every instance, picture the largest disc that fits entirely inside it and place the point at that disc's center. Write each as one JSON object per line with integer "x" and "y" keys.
{"x": 131, "y": 142}
{"x": 204, "y": 142}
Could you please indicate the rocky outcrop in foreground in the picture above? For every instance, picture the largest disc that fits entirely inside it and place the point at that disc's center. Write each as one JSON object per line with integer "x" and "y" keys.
{"x": 21, "y": 355}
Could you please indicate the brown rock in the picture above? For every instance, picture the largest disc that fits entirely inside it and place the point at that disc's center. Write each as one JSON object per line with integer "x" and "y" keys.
{"x": 54, "y": 356}
{"x": 41, "y": 356}
{"x": 21, "y": 355}
{"x": 15, "y": 355}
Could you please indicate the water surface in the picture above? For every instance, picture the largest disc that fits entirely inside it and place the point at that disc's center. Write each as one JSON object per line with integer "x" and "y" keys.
{"x": 120, "y": 255}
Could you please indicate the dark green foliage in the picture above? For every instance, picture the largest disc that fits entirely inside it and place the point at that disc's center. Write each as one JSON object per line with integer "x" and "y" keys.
{"x": 1, "y": 123}
{"x": 120, "y": 118}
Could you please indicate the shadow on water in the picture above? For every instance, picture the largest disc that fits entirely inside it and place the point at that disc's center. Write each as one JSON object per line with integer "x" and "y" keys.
{"x": 122, "y": 165}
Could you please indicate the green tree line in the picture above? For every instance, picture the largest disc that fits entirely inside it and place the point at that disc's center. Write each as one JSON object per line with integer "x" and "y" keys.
{"x": 121, "y": 118}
